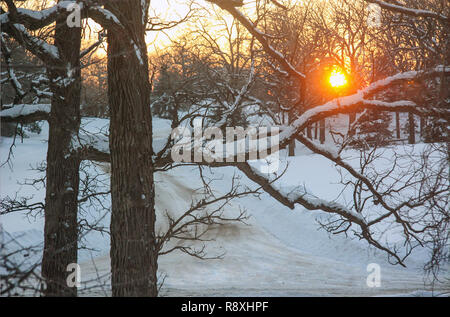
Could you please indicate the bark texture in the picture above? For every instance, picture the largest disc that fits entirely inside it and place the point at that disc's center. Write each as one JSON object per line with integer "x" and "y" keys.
{"x": 61, "y": 206}
{"x": 133, "y": 250}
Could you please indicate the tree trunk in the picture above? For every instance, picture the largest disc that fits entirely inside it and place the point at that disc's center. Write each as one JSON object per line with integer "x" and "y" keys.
{"x": 61, "y": 205}
{"x": 351, "y": 119}
{"x": 422, "y": 126}
{"x": 322, "y": 131}
{"x": 412, "y": 129}
{"x": 133, "y": 251}
{"x": 397, "y": 125}
{"x": 292, "y": 142}
{"x": 309, "y": 132}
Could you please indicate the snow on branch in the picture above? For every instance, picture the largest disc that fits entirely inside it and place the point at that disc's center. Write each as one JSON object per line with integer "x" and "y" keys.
{"x": 334, "y": 157}
{"x": 336, "y": 106}
{"x": 357, "y": 101}
{"x": 404, "y": 76}
{"x": 20, "y": 93}
{"x": 25, "y": 113}
{"x": 32, "y": 19}
{"x": 410, "y": 11}
{"x": 40, "y": 48}
{"x": 299, "y": 196}
{"x": 104, "y": 17}
{"x": 17, "y": 23}
{"x": 360, "y": 101}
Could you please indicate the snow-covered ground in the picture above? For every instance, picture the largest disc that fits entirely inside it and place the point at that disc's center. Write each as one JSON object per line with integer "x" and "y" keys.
{"x": 279, "y": 252}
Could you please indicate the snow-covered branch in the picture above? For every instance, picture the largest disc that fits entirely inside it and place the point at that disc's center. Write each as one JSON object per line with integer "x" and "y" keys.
{"x": 361, "y": 101}
{"x": 6, "y": 52}
{"x": 38, "y": 47}
{"x": 410, "y": 11}
{"x": 25, "y": 113}
{"x": 357, "y": 101}
{"x": 32, "y": 19}
{"x": 299, "y": 196}
{"x": 104, "y": 17}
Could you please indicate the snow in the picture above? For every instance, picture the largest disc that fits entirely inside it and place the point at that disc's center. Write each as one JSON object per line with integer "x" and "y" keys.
{"x": 358, "y": 97}
{"x": 4, "y": 18}
{"x": 98, "y": 141}
{"x": 138, "y": 53}
{"x": 144, "y": 7}
{"x": 278, "y": 252}
{"x": 399, "y": 103}
{"x": 44, "y": 14}
{"x": 13, "y": 78}
{"x": 108, "y": 15}
{"x": 402, "y": 76}
{"x": 24, "y": 110}
{"x": 410, "y": 11}
{"x": 49, "y": 49}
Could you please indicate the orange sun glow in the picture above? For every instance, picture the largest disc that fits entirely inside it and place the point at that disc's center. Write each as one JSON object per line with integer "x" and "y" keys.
{"x": 337, "y": 79}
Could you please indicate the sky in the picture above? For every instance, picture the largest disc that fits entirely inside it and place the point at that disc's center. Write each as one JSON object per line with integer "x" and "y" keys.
{"x": 168, "y": 10}
{"x": 163, "y": 10}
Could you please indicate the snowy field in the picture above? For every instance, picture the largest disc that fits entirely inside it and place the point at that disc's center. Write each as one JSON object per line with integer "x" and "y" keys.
{"x": 278, "y": 252}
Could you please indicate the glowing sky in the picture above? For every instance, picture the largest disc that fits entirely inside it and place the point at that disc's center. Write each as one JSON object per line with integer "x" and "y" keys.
{"x": 337, "y": 79}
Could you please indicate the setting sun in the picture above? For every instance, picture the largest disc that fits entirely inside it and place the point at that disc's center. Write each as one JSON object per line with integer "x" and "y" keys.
{"x": 337, "y": 79}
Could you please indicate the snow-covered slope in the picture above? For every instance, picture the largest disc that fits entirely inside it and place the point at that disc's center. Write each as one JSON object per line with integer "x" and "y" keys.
{"x": 279, "y": 252}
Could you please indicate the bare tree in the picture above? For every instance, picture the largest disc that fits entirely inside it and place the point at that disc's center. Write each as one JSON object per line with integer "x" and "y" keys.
{"x": 63, "y": 71}
{"x": 403, "y": 196}
{"x": 363, "y": 99}
{"x": 63, "y": 77}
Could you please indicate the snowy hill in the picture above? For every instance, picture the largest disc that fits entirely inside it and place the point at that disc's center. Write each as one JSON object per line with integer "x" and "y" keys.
{"x": 279, "y": 252}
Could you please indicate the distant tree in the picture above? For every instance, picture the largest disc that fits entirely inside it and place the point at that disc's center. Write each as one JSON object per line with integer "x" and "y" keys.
{"x": 94, "y": 90}
{"x": 373, "y": 129}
